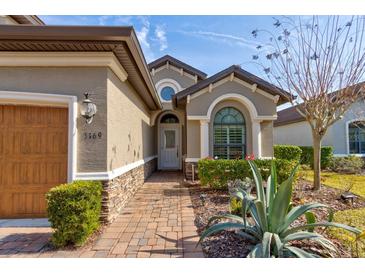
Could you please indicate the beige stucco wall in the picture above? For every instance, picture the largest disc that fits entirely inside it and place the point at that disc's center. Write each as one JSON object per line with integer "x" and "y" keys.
{"x": 91, "y": 153}
{"x": 200, "y": 105}
{"x": 246, "y": 115}
{"x": 130, "y": 135}
{"x": 298, "y": 134}
{"x": 7, "y": 20}
{"x": 193, "y": 139}
{"x": 267, "y": 139}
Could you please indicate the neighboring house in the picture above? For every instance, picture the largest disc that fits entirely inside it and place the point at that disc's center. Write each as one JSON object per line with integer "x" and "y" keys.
{"x": 166, "y": 115}
{"x": 346, "y": 136}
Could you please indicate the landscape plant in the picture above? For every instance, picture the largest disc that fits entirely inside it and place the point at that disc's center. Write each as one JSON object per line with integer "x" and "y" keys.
{"x": 348, "y": 164}
{"x": 74, "y": 212}
{"x": 320, "y": 62}
{"x": 269, "y": 221}
{"x": 217, "y": 173}
{"x": 287, "y": 152}
{"x": 307, "y": 156}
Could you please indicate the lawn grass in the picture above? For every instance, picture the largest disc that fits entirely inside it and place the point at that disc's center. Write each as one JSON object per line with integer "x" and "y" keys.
{"x": 339, "y": 181}
{"x": 352, "y": 217}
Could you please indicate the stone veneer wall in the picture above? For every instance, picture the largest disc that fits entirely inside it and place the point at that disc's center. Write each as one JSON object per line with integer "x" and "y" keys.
{"x": 188, "y": 170}
{"x": 118, "y": 191}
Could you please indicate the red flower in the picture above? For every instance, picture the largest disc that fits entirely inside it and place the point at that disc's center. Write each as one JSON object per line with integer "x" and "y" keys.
{"x": 250, "y": 157}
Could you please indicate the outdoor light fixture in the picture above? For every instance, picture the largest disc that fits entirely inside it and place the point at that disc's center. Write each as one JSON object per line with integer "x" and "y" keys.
{"x": 88, "y": 109}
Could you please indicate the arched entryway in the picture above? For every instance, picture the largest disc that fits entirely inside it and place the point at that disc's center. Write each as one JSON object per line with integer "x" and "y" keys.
{"x": 169, "y": 141}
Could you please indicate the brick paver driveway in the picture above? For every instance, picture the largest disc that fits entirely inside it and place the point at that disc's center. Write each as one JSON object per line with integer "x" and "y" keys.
{"x": 157, "y": 222}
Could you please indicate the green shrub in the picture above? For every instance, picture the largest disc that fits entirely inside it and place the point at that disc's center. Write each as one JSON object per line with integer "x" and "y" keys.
{"x": 349, "y": 164}
{"x": 287, "y": 152}
{"x": 217, "y": 173}
{"x": 307, "y": 156}
{"x": 74, "y": 211}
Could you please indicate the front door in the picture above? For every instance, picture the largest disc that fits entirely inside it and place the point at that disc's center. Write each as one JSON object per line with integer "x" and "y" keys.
{"x": 169, "y": 146}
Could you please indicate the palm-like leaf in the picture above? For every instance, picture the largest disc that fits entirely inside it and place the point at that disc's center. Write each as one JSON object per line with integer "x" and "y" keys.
{"x": 258, "y": 181}
{"x": 300, "y": 253}
{"x": 296, "y": 212}
{"x": 271, "y": 188}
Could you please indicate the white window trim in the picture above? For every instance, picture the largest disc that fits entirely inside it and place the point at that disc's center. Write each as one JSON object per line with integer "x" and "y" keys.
{"x": 348, "y": 139}
{"x": 44, "y": 99}
{"x": 167, "y": 83}
{"x": 255, "y": 119}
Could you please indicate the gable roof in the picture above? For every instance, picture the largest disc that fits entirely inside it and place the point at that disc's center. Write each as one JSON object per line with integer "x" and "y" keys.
{"x": 288, "y": 116}
{"x": 291, "y": 115}
{"x": 121, "y": 41}
{"x": 177, "y": 63}
{"x": 239, "y": 73}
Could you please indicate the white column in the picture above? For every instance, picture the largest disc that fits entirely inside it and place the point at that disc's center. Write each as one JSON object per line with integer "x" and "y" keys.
{"x": 204, "y": 138}
{"x": 256, "y": 138}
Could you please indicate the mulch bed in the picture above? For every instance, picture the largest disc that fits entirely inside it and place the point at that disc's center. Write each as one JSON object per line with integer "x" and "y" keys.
{"x": 229, "y": 245}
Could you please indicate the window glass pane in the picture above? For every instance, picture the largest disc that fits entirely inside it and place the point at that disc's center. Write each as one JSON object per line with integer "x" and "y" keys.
{"x": 229, "y": 134}
{"x": 167, "y": 93}
{"x": 169, "y": 119}
{"x": 169, "y": 139}
{"x": 220, "y": 135}
{"x": 235, "y": 152}
{"x": 220, "y": 152}
{"x": 361, "y": 135}
{"x": 354, "y": 147}
{"x": 236, "y": 135}
{"x": 357, "y": 137}
{"x": 362, "y": 147}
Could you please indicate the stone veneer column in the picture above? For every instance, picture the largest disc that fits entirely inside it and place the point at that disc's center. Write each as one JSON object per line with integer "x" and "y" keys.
{"x": 256, "y": 138}
{"x": 204, "y": 138}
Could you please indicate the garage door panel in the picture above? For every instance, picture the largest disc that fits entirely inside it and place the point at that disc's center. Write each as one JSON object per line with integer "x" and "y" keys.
{"x": 33, "y": 157}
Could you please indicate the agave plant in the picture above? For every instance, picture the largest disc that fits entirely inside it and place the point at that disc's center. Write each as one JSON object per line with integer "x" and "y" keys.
{"x": 267, "y": 219}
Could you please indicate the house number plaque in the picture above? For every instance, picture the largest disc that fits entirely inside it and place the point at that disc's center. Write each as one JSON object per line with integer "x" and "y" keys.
{"x": 92, "y": 135}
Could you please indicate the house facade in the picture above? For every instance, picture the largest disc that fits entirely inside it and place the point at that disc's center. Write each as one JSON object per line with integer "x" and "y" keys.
{"x": 164, "y": 115}
{"x": 346, "y": 136}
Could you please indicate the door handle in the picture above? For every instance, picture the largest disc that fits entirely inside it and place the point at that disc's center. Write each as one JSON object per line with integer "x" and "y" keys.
{"x": 177, "y": 152}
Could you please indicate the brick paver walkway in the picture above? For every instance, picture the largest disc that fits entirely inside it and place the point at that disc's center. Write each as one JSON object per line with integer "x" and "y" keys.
{"x": 158, "y": 223}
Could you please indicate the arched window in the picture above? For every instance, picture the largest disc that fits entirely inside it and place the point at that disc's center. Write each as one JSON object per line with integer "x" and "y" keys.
{"x": 167, "y": 93}
{"x": 229, "y": 134}
{"x": 169, "y": 119}
{"x": 357, "y": 137}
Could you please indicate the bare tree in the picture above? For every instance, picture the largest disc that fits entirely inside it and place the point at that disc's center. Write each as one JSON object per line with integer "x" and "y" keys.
{"x": 321, "y": 63}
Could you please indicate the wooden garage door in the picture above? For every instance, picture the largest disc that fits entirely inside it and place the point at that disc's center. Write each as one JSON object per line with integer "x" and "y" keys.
{"x": 33, "y": 157}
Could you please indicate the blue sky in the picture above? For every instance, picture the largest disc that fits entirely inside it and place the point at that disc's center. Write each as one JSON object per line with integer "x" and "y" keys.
{"x": 209, "y": 43}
